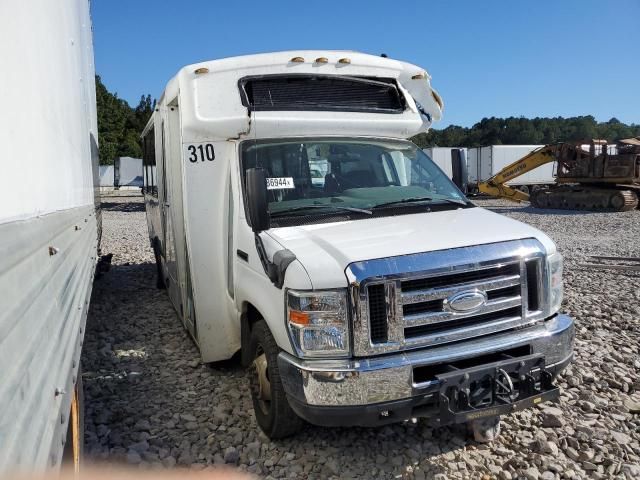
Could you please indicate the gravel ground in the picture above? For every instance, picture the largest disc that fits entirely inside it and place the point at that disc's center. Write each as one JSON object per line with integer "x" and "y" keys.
{"x": 149, "y": 401}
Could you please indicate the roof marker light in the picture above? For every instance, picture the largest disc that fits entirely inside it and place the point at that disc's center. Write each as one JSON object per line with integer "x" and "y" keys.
{"x": 344, "y": 60}
{"x": 418, "y": 76}
{"x": 201, "y": 70}
{"x": 297, "y": 60}
{"x": 322, "y": 60}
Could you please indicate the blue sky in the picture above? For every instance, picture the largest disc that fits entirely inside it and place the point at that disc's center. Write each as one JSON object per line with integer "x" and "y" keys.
{"x": 487, "y": 58}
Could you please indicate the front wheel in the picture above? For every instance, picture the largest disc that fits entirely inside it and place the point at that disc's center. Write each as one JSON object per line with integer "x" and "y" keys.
{"x": 273, "y": 412}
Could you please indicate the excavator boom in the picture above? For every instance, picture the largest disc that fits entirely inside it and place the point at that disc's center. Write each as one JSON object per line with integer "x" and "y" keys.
{"x": 496, "y": 186}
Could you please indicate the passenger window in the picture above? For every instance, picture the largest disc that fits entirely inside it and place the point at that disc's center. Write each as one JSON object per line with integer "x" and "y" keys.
{"x": 149, "y": 162}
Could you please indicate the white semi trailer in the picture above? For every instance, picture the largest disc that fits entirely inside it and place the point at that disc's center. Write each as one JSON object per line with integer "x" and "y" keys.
{"x": 441, "y": 156}
{"x": 485, "y": 162}
{"x": 366, "y": 292}
{"x": 49, "y": 227}
{"x": 127, "y": 173}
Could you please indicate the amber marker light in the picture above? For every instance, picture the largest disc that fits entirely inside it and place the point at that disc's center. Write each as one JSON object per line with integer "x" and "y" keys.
{"x": 297, "y": 60}
{"x": 345, "y": 60}
{"x": 201, "y": 70}
{"x": 299, "y": 318}
{"x": 418, "y": 76}
{"x": 322, "y": 60}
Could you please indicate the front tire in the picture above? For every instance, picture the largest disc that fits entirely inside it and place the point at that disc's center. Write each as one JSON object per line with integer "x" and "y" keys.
{"x": 272, "y": 410}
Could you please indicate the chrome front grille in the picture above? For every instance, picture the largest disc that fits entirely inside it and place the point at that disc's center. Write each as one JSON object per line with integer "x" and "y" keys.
{"x": 428, "y": 307}
{"x": 428, "y": 303}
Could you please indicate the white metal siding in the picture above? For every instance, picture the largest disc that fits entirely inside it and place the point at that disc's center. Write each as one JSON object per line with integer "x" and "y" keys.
{"x": 47, "y": 92}
{"x": 473, "y": 158}
{"x": 441, "y": 156}
{"x": 106, "y": 175}
{"x": 129, "y": 172}
{"x": 43, "y": 309}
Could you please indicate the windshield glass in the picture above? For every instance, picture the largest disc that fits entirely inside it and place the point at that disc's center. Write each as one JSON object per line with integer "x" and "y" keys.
{"x": 313, "y": 176}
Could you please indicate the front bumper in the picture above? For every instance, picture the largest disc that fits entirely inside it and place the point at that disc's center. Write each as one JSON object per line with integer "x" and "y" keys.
{"x": 364, "y": 391}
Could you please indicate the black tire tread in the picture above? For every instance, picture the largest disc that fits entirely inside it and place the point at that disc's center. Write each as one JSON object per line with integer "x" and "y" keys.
{"x": 282, "y": 421}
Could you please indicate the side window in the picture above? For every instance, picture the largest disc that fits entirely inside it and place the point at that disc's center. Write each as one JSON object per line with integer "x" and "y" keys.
{"x": 163, "y": 169}
{"x": 149, "y": 162}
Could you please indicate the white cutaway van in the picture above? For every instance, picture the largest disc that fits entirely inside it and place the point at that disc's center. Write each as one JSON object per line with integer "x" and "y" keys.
{"x": 294, "y": 222}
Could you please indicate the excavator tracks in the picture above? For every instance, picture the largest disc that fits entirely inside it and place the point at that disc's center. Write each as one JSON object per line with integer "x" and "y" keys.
{"x": 589, "y": 198}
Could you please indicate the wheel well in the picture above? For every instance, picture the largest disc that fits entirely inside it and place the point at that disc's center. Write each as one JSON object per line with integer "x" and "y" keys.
{"x": 250, "y": 315}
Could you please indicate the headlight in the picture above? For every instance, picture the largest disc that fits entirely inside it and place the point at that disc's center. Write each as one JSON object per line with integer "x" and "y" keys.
{"x": 318, "y": 323}
{"x": 554, "y": 267}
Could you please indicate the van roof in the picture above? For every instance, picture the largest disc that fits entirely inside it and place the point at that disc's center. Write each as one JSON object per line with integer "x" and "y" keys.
{"x": 209, "y": 92}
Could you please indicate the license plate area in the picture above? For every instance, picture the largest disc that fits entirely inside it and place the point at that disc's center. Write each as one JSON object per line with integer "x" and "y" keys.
{"x": 494, "y": 388}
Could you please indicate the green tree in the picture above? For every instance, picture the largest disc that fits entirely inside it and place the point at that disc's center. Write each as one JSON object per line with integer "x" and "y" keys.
{"x": 119, "y": 125}
{"x": 525, "y": 131}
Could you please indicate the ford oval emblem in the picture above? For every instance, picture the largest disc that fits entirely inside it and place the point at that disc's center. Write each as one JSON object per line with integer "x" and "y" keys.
{"x": 466, "y": 301}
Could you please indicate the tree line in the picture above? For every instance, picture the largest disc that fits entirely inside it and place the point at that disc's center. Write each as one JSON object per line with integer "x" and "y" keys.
{"x": 527, "y": 131}
{"x": 120, "y": 125}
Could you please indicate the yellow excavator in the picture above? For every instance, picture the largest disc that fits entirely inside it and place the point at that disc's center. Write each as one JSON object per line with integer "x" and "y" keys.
{"x": 585, "y": 180}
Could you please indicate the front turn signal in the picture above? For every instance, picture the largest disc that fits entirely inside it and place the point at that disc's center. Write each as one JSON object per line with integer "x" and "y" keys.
{"x": 299, "y": 318}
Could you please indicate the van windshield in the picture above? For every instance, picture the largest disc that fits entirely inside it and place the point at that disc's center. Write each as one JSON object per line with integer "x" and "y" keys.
{"x": 365, "y": 176}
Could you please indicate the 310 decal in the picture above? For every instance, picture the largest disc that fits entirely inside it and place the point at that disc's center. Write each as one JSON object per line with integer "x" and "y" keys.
{"x": 201, "y": 153}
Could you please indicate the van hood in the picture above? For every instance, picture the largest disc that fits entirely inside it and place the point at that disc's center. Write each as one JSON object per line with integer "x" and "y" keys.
{"x": 325, "y": 250}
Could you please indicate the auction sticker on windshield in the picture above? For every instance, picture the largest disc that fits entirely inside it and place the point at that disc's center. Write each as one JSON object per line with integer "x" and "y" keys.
{"x": 280, "y": 183}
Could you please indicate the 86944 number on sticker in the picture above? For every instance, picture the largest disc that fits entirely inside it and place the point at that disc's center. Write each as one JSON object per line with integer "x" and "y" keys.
{"x": 280, "y": 183}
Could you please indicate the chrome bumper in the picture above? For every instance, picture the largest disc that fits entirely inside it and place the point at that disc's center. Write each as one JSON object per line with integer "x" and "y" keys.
{"x": 353, "y": 382}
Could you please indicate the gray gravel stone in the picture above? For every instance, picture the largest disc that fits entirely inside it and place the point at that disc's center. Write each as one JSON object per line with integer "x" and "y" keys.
{"x": 133, "y": 457}
{"x": 231, "y": 455}
{"x": 145, "y": 386}
{"x": 552, "y": 418}
{"x": 620, "y": 438}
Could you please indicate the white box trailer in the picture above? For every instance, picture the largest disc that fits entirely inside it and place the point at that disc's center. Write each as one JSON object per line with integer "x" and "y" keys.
{"x": 127, "y": 172}
{"x": 49, "y": 227}
{"x": 441, "y": 156}
{"x": 106, "y": 177}
{"x": 485, "y": 162}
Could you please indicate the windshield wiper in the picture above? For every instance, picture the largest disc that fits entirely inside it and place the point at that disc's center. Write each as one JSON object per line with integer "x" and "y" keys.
{"x": 420, "y": 200}
{"x": 454, "y": 201}
{"x": 300, "y": 208}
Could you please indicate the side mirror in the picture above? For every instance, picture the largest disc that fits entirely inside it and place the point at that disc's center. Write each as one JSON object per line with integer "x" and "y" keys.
{"x": 459, "y": 169}
{"x": 257, "y": 202}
